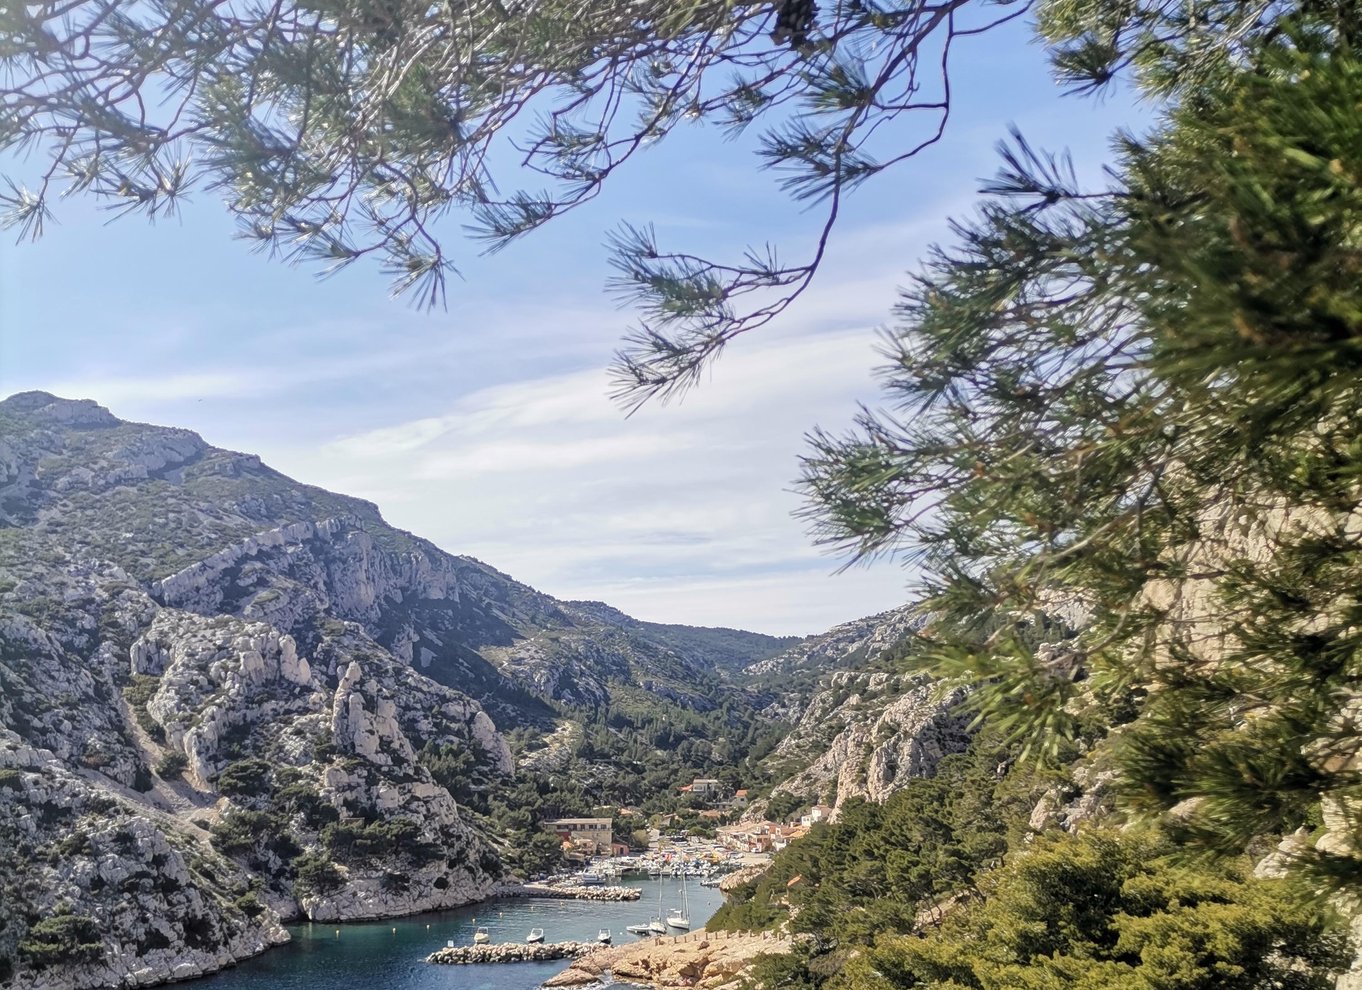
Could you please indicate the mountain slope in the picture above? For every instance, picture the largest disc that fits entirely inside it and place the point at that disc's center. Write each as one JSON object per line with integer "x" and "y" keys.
{"x": 233, "y": 697}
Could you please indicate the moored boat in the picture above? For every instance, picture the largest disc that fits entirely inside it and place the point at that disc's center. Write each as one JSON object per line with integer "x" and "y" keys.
{"x": 536, "y": 935}
{"x": 603, "y": 936}
{"x": 481, "y": 937}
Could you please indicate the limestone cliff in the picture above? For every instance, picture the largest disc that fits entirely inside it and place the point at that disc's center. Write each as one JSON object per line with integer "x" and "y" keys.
{"x": 860, "y": 728}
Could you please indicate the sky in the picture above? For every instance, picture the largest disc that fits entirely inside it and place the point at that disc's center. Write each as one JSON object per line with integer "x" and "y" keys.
{"x": 486, "y": 427}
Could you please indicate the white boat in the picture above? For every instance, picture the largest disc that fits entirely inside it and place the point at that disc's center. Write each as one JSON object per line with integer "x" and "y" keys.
{"x": 589, "y": 879}
{"x": 680, "y": 917}
{"x": 603, "y": 936}
{"x": 481, "y": 936}
{"x": 536, "y": 935}
{"x": 639, "y": 929}
{"x": 655, "y": 924}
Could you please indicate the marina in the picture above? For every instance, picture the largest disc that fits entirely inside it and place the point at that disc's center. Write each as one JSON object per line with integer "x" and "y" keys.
{"x": 392, "y": 953}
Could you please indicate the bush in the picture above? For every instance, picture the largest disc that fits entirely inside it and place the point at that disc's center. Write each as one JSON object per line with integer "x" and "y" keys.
{"x": 248, "y": 778}
{"x": 172, "y": 765}
{"x": 11, "y": 780}
{"x": 142, "y": 780}
{"x": 63, "y": 939}
{"x": 249, "y": 904}
{"x": 316, "y": 875}
{"x": 137, "y": 694}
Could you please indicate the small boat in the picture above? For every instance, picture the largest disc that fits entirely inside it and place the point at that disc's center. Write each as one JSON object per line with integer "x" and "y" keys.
{"x": 638, "y": 929}
{"x": 603, "y": 936}
{"x": 536, "y": 935}
{"x": 590, "y": 879}
{"x": 481, "y": 936}
{"x": 656, "y": 926}
{"x": 680, "y": 917}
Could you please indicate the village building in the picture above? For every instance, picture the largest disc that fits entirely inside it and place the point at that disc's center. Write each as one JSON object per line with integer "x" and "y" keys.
{"x": 707, "y": 786}
{"x": 593, "y": 834}
{"x": 818, "y": 813}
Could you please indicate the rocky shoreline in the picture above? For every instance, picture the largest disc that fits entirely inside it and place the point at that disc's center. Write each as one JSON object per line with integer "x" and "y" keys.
{"x": 707, "y": 960}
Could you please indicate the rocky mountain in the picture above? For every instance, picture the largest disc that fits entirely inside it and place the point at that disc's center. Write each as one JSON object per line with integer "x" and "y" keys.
{"x": 228, "y": 698}
{"x": 860, "y": 726}
{"x": 848, "y": 645}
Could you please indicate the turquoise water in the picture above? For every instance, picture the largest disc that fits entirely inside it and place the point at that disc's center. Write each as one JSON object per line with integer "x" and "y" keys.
{"x": 390, "y": 955}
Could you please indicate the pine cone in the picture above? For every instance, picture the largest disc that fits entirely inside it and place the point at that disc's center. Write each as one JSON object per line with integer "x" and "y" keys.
{"x": 794, "y": 20}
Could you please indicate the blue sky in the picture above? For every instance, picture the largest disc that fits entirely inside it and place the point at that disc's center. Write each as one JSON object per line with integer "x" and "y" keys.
{"x": 486, "y": 428}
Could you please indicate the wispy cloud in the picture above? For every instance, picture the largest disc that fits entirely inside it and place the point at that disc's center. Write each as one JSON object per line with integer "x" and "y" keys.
{"x": 686, "y": 511}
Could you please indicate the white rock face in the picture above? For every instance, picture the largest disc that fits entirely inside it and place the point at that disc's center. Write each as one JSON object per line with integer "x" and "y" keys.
{"x": 884, "y": 730}
{"x": 167, "y": 918}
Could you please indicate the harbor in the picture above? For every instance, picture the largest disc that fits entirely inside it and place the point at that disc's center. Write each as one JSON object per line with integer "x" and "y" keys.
{"x": 392, "y": 954}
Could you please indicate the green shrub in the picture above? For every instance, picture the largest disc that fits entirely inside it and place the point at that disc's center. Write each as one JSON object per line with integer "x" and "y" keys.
{"x": 137, "y": 694}
{"x": 172, "y": 765}
{"x": 245, "y": 778}
{"x": 316, "y": 874}
{"x": 63, "y": 939}
{"x": 11, "y": 780}
{"x": 249, "y": 904}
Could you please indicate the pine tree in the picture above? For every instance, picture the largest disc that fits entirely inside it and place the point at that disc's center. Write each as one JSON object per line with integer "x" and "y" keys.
{"x": 351, "y": 129}
{"x": 1122, "y": 444}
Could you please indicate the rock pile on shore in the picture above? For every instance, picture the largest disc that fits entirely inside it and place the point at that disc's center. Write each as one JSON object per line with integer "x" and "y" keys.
{"x": 571, "y": 893}
{"x": 454, "y": 955}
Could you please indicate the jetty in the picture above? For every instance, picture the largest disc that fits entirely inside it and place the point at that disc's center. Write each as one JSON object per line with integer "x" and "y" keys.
{"x": 460, "y": 955}
{"x": 569, "y": 892}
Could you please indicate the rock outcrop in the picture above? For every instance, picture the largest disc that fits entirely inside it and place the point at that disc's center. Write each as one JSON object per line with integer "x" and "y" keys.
{"x": 865, "y": 735}
{"x": 702, "y": 959}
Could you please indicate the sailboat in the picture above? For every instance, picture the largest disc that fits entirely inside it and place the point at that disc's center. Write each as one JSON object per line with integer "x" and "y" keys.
{"x": 680, "y": 917}
{"x": 655, "y": 924}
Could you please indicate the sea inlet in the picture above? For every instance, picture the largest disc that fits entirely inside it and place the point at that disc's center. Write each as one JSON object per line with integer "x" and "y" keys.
{"x": 391, "y": 954}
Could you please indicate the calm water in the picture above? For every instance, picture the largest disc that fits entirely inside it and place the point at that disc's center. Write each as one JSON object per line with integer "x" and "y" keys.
{"x": 373, "y": 956}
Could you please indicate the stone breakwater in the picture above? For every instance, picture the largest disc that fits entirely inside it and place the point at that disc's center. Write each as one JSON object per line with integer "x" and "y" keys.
{"x": 569, "y": 893}
{"x": 458, "y": 955}
{"x": 701, "y": 959}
